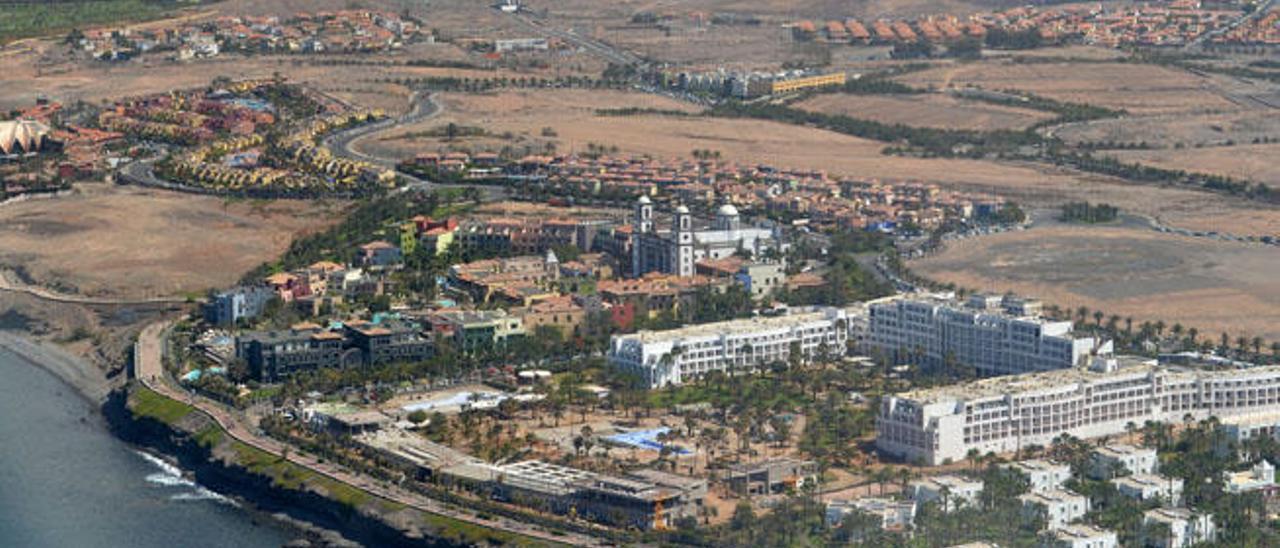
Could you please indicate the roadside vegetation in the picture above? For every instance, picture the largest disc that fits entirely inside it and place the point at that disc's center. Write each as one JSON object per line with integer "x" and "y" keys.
{"x": 34, "y": 18}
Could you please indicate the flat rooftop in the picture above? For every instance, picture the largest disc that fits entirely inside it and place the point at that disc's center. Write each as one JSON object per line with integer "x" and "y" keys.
{"x": 1029, "y": 382}
{"x": 745, "y": 325}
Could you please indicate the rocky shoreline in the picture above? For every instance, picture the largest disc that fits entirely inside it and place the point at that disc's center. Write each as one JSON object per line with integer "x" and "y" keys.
{"x": 104, "y": 397}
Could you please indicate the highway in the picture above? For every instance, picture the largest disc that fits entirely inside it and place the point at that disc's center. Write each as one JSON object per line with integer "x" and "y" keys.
{"x": 149, "y": 369}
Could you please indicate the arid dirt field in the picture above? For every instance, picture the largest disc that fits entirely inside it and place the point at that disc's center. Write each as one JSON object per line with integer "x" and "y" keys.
{"x": 1173, "y": 130}
{"x": 1211, "y": 285}
{"x": 1255, "y": 163}
{"x": 927, "y": 110}
{"x": 132, "y": 242}
{"x": 1139, "y": 89}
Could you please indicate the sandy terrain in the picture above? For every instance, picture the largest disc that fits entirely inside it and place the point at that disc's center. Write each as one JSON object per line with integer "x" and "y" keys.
{"x": 1174, "y": 130}
{"x": 141, "y": 243}
{"x": 1255, "y": 163}
{"x": 928, "y": 110}
{"x": 1139, "y": 89}
{"x": 1213, "y": 286}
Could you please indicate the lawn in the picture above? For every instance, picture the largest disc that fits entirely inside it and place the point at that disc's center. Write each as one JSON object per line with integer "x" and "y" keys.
{"x": 152, "y": 405}
{"x": 24, "y": 20}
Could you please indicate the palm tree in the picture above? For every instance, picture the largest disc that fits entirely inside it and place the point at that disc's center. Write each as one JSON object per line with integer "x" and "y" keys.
{"x": 1257, "y": 347}
{"x": 1128, "y": 325}
{"x": 972, "y": 457}
{"x": 1082, "y": 313}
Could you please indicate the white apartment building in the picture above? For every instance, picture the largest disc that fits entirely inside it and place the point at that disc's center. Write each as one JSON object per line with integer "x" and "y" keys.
{"x": 1261, "y": 477}
{"x": 669, "y": 358}
{"x": 1237, "y": 431}
{"x": 995, "y": 335}
{"x": 1080, "y": 535}
{"x": 1145, "y": 487}
{"x": 1185, "y": 527}
{"x": 951, "y": 492}
{"x": 1042, "y": 475}
{"x": 1109, "y": 461}
{"x": 1005, "y": 414}
{"x": 893, "y": 514}
{"x": 1058, "y": 507}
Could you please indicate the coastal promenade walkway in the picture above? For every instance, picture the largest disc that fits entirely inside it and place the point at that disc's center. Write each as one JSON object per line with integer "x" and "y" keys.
{"x": 149, "y": 369}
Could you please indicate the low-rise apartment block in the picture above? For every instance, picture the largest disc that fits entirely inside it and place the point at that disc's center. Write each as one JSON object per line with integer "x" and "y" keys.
{"x": 1042, "y": 475}
{"x": 1116, "y": 460}
{"x": 894, "y": 515}
{"x": 1082, "y": 536}
{"x": 996, "y": 336}
{"x": 1005, "y": 414}
{"x": 1259, "y": 477}
{"x": 951, "y": 492}
{"x": 1185, "y": 527}
{"x": 668, "y": 358}
{"x": 1148, "y": 487}
{"x": 1058, "y": 507}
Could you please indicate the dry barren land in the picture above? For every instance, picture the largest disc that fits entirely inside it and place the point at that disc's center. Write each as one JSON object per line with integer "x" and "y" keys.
{"x": 924, "y": 110}
{"x": 1210, "y": 285}
{"x": 130, "y": 242}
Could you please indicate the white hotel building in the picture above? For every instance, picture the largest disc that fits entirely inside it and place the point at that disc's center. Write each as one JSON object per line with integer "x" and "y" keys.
{"x": 668, "y": 358}
{"x": 1004, "y": 414}
{"x": 995, "y": 335}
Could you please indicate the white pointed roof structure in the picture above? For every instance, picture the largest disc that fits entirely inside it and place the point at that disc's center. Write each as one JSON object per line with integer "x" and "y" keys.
{"x": 21, "y": 136}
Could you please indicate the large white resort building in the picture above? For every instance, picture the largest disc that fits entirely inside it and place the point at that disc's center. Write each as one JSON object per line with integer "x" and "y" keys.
{"x": 673, "y": 357}
{"x": 676, "y": 250}
{"x": 1005, "y": 414}
{"x": 994, "y": 335}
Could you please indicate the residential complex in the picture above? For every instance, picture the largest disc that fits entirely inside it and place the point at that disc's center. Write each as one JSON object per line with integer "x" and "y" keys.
{"x": 1009, "y": 413}
{"x": 1114, "y": 460}
{"x": 994, "y": 335}
{"x": 666, "y": 358}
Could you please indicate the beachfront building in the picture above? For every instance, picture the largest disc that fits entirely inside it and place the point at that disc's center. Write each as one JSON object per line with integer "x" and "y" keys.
{"x": 1042, "y": 475}
{"x": 676, "y": 250}
{"x": 1185, "y": 528}
{"x": 1058, "y": 507}
{"x": 994, "y": 335}
{"x": 1005, "y": 414}
{"x": 676, "y": 356}
{"x": 273, "y": 356}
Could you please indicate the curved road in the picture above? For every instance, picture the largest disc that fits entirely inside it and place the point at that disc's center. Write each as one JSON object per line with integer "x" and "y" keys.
{"x": 424, "y": 106}
{"x": 148, "y": 368}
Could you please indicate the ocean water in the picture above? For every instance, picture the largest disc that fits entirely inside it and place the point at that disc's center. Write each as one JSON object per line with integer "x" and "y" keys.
{"x": 66, "y": 482}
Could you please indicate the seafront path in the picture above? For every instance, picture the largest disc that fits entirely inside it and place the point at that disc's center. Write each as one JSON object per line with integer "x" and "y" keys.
{"x": 149, "y": 369}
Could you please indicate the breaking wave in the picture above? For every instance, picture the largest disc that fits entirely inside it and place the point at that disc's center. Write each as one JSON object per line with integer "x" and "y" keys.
{"x": 171, "y": 476}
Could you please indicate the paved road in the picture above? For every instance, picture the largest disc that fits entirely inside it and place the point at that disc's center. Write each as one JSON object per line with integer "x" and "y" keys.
{"x": 424, "y": 106}
{"x": 149, "y": 369}
{"x": 601, "y": 49}
{"x": 1257, "y": 12}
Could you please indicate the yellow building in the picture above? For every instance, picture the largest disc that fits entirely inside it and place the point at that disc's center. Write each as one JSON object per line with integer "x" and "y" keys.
{"x": 808, "y": 82}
